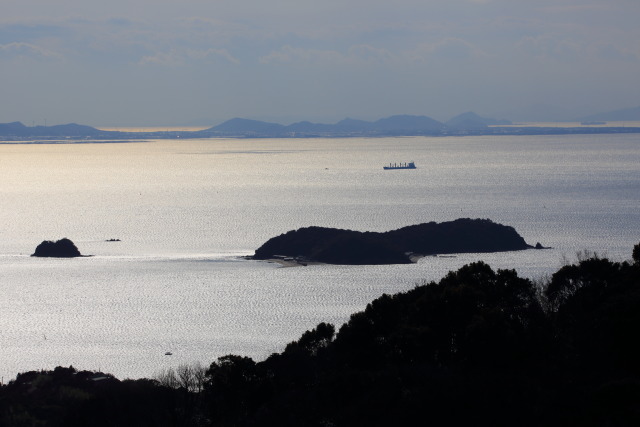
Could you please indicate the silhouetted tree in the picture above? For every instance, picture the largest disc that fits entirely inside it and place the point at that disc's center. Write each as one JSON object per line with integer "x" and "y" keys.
{"x": 232, "y": 387}
{"x": 567, "y": 281}
{"x": 475, "y": 348}
{"x": 314, "y": 340}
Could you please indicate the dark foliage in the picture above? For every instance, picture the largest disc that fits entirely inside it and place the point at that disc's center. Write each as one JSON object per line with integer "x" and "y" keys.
{"x": 459, "y": 236}
{"x": 63, "y": 248}
{"x": 66, "y": 397}
{"x": 335, "y": 246}
{"x": 479, "y": 347}
{"x": 359, "y": 249}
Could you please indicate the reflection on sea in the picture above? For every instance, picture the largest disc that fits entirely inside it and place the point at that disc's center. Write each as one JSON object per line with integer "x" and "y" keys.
{"x": 185, "y": 212}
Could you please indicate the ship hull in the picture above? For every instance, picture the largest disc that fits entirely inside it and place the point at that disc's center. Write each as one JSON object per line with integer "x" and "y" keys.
{"x": 410, "y": 165}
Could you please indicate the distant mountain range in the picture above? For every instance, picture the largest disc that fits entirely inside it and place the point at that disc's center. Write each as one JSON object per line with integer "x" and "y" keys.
{"x": 624, "y": 115}
{"x": 394, "y": 125}
{"x": 238, "y": 127}
{"x": 399, "y": 125}
{"x": 17, "y": 129}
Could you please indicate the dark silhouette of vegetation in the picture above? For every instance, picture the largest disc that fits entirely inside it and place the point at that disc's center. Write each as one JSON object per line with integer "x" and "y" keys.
{"x": 479, "y": 347}
{"x": 66, "y": 397}
{"x": 336, "y": 246}
{"x": 63, "y": 248}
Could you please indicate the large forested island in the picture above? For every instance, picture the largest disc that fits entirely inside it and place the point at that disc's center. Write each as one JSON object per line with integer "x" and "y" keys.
{"x": 479, "y": 347}
{"x": 401, "y": 246}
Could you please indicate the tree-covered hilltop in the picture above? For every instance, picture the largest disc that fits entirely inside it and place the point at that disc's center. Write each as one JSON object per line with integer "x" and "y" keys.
{"x": 337, "y": 246}
{"x": 479, "y": 347}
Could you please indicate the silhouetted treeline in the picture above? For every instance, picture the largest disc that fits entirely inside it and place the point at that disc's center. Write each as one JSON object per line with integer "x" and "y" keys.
{"x": 479, "y": 347}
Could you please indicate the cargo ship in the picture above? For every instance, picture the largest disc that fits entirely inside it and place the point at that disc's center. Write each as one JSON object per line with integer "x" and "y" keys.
{"x": 410, "y": 165}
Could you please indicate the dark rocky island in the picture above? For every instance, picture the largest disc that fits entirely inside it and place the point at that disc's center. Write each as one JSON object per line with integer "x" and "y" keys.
{"x": 401, "y": 246}
{"x": 63, "y": 248}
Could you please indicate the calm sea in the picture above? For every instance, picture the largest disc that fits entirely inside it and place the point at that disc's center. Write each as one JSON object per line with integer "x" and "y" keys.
{"x": 185, "y": 211}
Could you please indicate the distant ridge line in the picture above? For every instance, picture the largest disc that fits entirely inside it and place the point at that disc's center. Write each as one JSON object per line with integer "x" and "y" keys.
{"x": 398, "y": 125}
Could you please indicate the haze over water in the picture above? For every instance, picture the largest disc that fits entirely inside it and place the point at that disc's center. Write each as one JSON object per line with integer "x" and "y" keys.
{"x": 186, "y": 210}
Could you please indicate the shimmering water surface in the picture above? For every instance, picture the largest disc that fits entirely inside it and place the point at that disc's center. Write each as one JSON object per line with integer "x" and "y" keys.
{"x": 185, "y": 211}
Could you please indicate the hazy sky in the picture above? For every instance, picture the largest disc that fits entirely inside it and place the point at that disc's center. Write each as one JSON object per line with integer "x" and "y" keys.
{"x": 170, "y": 62}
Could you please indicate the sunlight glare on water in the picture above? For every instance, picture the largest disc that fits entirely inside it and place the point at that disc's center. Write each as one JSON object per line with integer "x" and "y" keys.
{"x": 185, "y": 211}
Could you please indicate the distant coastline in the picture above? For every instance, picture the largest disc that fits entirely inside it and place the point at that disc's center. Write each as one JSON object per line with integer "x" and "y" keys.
{"x": 467, "y": 124}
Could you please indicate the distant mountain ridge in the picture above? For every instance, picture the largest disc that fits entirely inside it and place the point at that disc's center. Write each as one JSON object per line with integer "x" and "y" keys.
{"x": 625, "y": 114}
{"x": 71, "y": 129}
{"x": 471, "y": 120}
{"x": 394, "y": 125}
{"x": 403, "y": 124}
{"x": 399, "y": 124}
{"x": 468, "y": 123}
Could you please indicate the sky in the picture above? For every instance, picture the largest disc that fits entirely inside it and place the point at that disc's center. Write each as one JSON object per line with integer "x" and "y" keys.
{"x": 201, "y": 62}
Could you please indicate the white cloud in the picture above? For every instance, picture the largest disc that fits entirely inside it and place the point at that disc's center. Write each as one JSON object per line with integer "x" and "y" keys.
{"x": 372, "y": 54}
{"x": 569, "y": 50}
{"x": 212, "y": 54}
{"x": 176, "y": 57}
{"x": 549, "y": 45}
{"x": 610, "y": 52}
{"x": 447, "y": 49}
{"x": 450, "y": 49}
{"x": 290, "y": 54}
{"x": 355, "y": 53}
{"x": 575, "y": 8}
{"x": 26, "y": 50}
{"x": 168, "y": 59}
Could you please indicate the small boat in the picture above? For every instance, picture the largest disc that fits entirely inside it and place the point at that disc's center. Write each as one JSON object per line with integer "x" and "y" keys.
{"x": 410, "y": 165}
{"x": 168, "y": 353}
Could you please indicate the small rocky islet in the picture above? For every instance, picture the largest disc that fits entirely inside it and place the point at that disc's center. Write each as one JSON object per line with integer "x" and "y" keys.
{"x": 401, "y": 246}
{"x": 63, "y": 248}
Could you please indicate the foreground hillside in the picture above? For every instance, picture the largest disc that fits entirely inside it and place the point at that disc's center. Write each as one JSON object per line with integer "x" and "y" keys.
{"x": 479, "y": 347}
